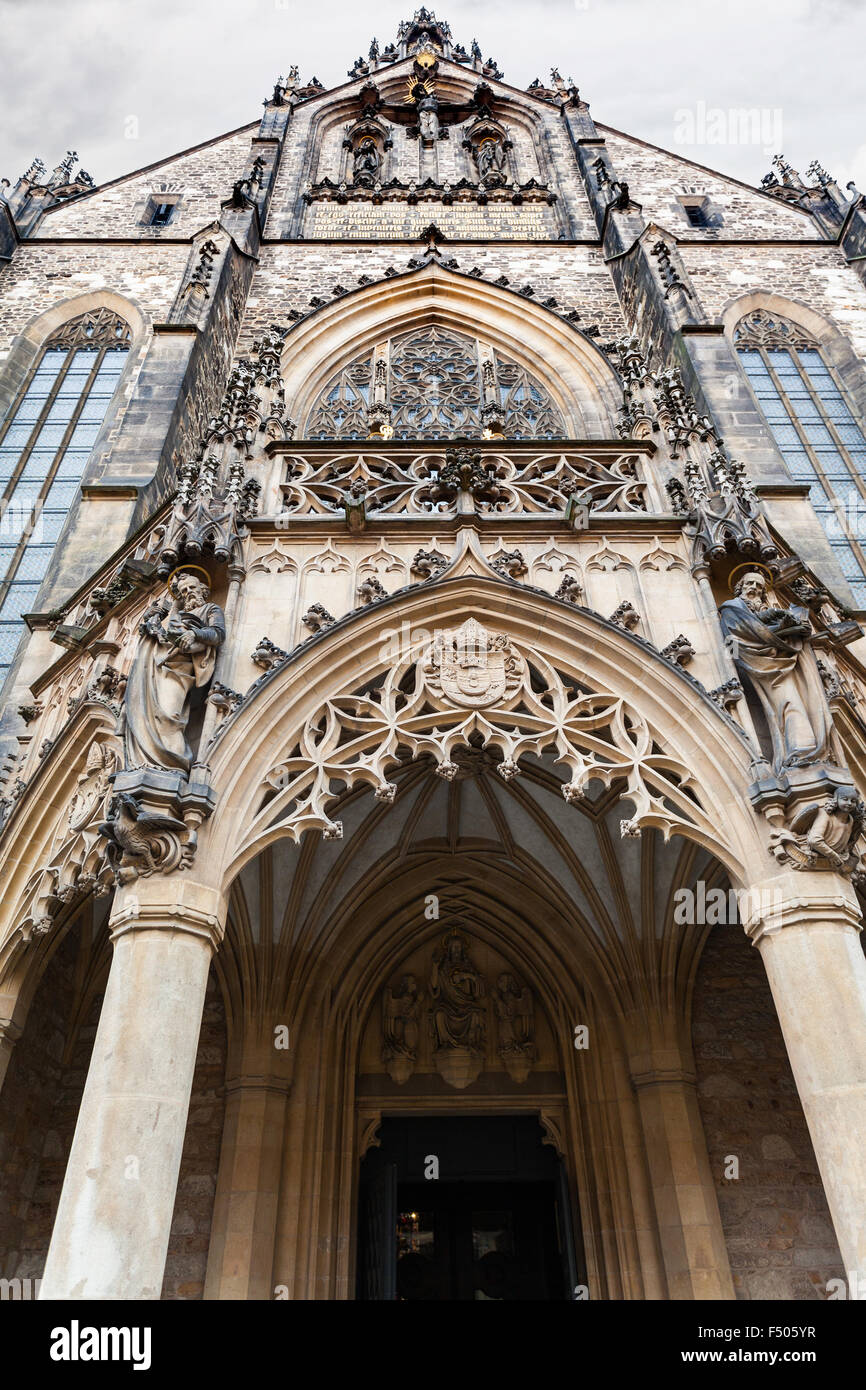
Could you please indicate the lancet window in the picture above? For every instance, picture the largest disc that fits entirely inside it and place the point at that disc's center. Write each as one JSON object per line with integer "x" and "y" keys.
{"x": 813, "y": 425}
{"x": 45, "y": 442}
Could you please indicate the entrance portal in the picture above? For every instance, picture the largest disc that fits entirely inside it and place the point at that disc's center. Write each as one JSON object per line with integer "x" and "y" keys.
{"x": 471, "y": 1208}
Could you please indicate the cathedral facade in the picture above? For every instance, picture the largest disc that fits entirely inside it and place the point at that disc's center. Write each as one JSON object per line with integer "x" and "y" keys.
{"x": 433, "y": 710}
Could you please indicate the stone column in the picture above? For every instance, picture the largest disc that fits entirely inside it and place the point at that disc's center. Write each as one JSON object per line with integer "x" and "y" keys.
{"x": 112, "y": 1228}
{"x": 690, "y": 1229}
{"x": 806, "y": 926}
{"x": 241, "y": 1255}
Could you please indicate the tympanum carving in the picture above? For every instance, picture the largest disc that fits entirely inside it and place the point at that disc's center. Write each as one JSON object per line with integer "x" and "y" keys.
{"x": 457, "y": 1015}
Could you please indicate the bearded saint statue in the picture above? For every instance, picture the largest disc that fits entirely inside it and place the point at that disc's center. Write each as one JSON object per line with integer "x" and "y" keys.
{"x": 770, "y": 645}
{"x": 180, "y": 636}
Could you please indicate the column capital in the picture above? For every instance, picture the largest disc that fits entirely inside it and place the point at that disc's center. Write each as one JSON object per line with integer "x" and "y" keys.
{"x": 170, "y": 903}
{"x": 798, "y": 900}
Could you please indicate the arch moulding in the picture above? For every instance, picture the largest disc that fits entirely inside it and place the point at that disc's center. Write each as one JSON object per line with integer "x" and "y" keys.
{"x": 579, "y": 379}
{"x": 686, "y": 763}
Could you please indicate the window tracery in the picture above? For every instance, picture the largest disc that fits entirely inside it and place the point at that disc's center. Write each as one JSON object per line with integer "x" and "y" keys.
{"x": 438, "y": 384}
{"x": 814, "y": 428}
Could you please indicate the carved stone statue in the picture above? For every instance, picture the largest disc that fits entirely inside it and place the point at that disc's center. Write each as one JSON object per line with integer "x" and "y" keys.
{"x": 400, "y": 1028}
{"x": 179, "y": 640}
{"x": 769, "y": 646}
{"x": 457, "y": 1015}
{"x": 367, "y": 163}
{"x": 428, "y": 118}
{"x": 823, "y": 831}
{"x": 515, "y": 1018}
{"x": 490, "y": 160}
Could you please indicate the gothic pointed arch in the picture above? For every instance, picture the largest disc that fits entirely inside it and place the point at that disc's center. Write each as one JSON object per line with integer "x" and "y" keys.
{"x": 575, "y": 378}
{"x": 344, "y": 709}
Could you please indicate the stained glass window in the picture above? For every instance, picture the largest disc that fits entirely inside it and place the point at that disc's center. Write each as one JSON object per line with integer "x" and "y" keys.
{"x": 434, "y": 387}
{"x": 814, "y": 429}
{"x": 45, "y": 442}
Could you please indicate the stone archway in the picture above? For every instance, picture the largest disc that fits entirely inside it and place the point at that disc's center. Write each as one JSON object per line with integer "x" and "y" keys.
{"x": 323, "y": 927}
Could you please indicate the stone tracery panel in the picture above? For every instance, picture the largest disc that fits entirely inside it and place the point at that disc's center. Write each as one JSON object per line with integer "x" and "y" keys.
{"x": 436, "y": 390}
{"x": 408, "y": 482}
{"x": 470, "y": 685}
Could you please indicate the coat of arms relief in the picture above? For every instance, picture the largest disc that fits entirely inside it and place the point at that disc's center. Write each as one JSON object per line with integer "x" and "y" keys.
{"x": 473, "y": 668}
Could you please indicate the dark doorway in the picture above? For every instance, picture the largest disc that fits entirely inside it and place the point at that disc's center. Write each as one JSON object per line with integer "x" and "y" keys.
{"x": 472, "y": 1209}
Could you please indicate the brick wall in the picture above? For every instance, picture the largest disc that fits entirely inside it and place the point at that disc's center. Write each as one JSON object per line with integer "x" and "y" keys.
{"x": 776, "y": 1222}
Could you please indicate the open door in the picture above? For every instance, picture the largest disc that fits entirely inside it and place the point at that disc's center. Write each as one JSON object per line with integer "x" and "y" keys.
{"x": 379, "y": 1241}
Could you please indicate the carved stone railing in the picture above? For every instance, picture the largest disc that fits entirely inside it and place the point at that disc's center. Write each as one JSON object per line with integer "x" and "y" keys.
{"x": 408, "y": 479}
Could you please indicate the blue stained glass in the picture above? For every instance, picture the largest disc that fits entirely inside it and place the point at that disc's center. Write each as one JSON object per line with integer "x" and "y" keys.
{"x": 50, "y": 436}
{"x": 73, "y": 384}
{"x": 19, "y": 600}
{"x": 93, "y": 410}
{"x": 83, "y": 436}
{"x": 22, "y": 512}
{"x": 30, "y": 409}
{"x": 851, "y": 434}
{"x": 9, "y": 637}
{"x": 848, "y": 561}
{"x": 34, "y": 562}
{"x": 62, "y": 493}
{"x": 17, "y": 436}
{"x": 49, "y": 525}
{"x": 38, "y": 466}
{"x": 73, "y": 463}
{"x": 61, "y": 411}
{"x": 786, "y": 434}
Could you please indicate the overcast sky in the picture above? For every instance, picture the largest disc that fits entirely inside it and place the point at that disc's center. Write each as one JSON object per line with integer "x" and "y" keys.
{"x": 129, "y": 82}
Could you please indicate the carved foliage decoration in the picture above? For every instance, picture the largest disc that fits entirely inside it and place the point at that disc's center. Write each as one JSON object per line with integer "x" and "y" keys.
{"x": 516, "y": 703}
{"x": 77, "y": 864}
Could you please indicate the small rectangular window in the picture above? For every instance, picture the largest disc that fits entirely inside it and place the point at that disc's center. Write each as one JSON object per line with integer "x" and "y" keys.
{"x": 162, "y": 214}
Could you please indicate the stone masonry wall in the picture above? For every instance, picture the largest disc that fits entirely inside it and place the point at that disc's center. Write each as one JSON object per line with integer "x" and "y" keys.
{"x": 186, "y": 1261}
{"x": 41, "y": 1100}
{"x": 40, "y": 276}
{"x": 655, "y": 177}
{"x": 777, "y": 1227}
{"x": 817, "y": 276}
{"x": 204, "y": 178}
{"x": 35, "y": 1092}
{"x": 287, "y": 277}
